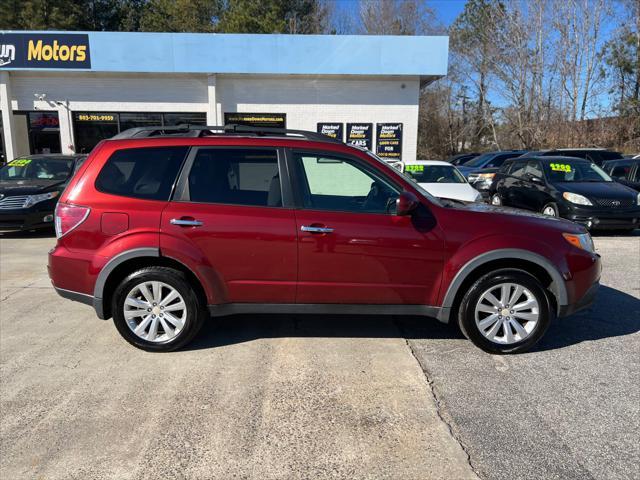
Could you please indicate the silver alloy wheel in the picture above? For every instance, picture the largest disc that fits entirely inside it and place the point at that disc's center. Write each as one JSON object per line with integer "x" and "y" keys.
{"x": 496, "y": 200}
{"x": 507, "y": 313}
{"x": 155, "y": 311}
{"x": 549, "y": 210}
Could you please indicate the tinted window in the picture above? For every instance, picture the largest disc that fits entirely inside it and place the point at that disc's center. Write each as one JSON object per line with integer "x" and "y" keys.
{"x": 518, "y": 169}
{"x": 479, "y": 161}
{"x": 534, "y": 169}
{"x": 620, "y": 170}
{"x": 506, "y": 166}
{"x": 568, "y": 170}
{"x": 141, "y": 172}
{"x": 236, "y": 176}
{"x": 607, "y": 155}
{"x": 330, "y": 183}
{"x": 499, "y": 160}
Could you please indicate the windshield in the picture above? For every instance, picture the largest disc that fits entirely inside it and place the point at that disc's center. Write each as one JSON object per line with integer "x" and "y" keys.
{"x": 400, "y": 172}
{"x": 37, "y": 169}
{"x": 433, "y": 174}
{"x": 478, "y": 161}
{"x": 566, "y": 170}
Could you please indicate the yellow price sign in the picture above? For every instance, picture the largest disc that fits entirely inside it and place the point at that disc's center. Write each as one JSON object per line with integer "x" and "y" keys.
{"x": 560, "y": 167}
{"x": 414, "y": 168}
{"x": 20, "y": 162}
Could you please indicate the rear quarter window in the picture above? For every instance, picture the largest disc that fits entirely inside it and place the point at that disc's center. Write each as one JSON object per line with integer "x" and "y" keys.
{"x": 147, "y": 173}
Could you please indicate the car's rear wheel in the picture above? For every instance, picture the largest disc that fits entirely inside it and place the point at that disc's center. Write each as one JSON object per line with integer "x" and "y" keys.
{"x": 550, "y": 209}
{"x": 506, "y": 311}
{"x": 496, "y": 199}
{"x": 156, "y": 309}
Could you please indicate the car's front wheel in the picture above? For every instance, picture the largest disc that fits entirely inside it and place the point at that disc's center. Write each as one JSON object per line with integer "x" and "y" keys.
{"x": 156, "y": 309}
{"x": 506, "y": 311}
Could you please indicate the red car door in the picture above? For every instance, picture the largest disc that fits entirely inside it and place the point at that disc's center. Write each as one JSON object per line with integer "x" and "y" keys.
{"x": 352, "y": 248}
{"x": 228, "y": 223}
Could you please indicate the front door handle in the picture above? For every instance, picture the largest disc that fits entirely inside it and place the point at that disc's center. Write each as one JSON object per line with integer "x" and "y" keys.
{"x": 183, "y": 222}
{"x": 312, "y": 229}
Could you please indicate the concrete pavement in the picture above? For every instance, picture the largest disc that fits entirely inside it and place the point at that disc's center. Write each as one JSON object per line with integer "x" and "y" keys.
{"x": 255, "y": 397}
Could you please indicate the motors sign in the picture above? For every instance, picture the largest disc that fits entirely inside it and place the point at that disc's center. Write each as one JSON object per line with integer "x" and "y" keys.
{"x": 45, "y": 50}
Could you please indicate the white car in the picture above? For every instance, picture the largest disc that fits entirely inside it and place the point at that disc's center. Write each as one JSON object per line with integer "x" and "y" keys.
{"x": 441, "y": 179}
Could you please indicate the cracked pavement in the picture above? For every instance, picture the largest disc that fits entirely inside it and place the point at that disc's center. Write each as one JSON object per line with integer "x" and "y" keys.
{"x": 254, "y": 397}
{"x": 315, "y": 397}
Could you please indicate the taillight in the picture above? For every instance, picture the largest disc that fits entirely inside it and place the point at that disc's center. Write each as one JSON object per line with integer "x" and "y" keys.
{"x": 69, "y": 217}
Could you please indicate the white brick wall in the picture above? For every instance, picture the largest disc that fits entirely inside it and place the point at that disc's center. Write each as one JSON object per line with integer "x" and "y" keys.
{"x": 305, "y": 100}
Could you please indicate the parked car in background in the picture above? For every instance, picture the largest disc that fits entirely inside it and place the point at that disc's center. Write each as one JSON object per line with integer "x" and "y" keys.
{"x": 595, "y": 155}
{"x": 625, "y": 171}
{"x": 461, "y": 158}
{"x": 30, "y": 187}
{"x": 163, "y": 227}
{"x": 442, "y": 180}
{"x": 567, "y": 187}
{"x": 481, "y": 170}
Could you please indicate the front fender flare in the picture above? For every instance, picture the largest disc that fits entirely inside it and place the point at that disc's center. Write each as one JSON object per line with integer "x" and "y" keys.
{"x": 558, "y": 287}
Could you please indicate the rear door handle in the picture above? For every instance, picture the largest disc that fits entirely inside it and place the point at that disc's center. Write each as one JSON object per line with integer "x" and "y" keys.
{"x": 312, "y": 229}
{"x": 182, "y": 222}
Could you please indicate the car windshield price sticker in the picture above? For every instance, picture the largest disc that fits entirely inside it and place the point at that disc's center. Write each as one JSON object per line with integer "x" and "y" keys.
{"x": 360, "y": 134}
{"x": 414, "y": 168}
{"x": 21, "y": 162}
{"x": 389, "y": 140}
{"x": 333, "y": 130}
{"x": 560, "y": 167}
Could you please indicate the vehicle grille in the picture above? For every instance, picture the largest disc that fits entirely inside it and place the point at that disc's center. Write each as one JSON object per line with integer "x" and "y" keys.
{"x": 10, "y": 203}
{"x": 613, "y": 203}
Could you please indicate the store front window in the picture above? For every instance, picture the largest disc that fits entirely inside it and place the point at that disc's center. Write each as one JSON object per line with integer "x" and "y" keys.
{"x": 3, "y": 156}
{"x": 91, "y": 127}
{"x": 42, "y": 131}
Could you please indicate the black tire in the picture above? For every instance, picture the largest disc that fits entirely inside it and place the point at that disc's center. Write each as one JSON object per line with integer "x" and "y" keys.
{"x": 553, "y": 207}
{"x": 466, "y": 312}
{"x": 195, "y": 316}
{"x": 496, "y": 198}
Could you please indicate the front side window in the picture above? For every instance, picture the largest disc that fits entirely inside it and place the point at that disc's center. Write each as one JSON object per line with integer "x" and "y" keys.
{"x": 434, "y": 174}
{"x": 534, "y": 169}
{"x": 620, "y": 170}
{"x": 236, "y": 176}
{"x": 147, "y": 173}
{"x": 518, "y": 170}
{"x": 330, "y": 183}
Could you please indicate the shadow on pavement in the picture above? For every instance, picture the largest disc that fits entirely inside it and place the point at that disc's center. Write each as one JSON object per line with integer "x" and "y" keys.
{"x": 44, "y": 233}
{"x": 614, "y": 314}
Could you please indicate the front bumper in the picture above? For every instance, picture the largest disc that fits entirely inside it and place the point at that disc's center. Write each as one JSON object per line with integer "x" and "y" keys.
{"x": 605, "y": 219}
{"x": 25, "y": 219}
{"x": 585, "y": 302}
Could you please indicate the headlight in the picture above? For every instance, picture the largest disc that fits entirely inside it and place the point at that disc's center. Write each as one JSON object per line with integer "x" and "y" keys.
{"x": 582, "y": 241}
{"x": 577, "y": 199}
{"x": 33, "y": 199}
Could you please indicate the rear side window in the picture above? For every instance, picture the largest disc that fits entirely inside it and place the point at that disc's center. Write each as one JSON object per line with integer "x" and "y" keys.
{"x": 147, "y": 173}
{"x": 236, "y": 176}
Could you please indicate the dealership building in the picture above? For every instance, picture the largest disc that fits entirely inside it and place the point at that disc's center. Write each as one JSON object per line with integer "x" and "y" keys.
{"x": 62, "y": 92}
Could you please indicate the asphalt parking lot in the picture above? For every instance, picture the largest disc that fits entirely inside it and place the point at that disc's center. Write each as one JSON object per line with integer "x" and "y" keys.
{"x": 315, "y": 397}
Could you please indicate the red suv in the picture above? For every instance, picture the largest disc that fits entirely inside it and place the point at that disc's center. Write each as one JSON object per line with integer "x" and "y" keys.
{"x": 162, "y": 228}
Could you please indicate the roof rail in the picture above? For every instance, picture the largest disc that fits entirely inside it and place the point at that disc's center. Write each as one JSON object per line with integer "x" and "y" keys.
{"x": 186, "y": 130}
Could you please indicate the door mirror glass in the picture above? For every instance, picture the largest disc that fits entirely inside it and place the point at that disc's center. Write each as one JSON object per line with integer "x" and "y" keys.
{"x": 536, "y": 179}
{"x": 406, "y": 203}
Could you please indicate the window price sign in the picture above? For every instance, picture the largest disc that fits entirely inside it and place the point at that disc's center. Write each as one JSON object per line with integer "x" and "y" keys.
{"x": 389, "y": 140}
{"x": 360, "y": 134}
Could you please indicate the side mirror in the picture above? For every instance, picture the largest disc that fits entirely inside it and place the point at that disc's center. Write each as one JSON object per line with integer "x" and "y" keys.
{"x": 406, "y": 203}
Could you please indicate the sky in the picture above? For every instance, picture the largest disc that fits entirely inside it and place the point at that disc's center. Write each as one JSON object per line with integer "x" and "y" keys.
{"x": 446, "y": 10}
